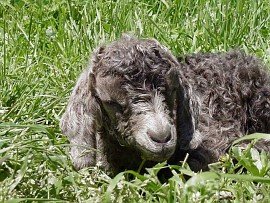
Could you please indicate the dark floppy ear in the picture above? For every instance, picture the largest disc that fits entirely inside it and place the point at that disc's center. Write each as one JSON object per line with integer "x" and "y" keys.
{"x": 82, "y": 117}
{"x": 186, "y": 109}
{"x": 82, "y": 101}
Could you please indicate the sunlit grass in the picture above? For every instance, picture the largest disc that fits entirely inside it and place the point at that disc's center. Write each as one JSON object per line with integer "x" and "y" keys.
{"x": 45, "y": 45}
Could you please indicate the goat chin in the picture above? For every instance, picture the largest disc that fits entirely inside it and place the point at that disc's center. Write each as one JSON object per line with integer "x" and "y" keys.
{"x": 155, "y": 151}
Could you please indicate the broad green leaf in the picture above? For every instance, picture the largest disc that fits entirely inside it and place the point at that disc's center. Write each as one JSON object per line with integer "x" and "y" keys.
{"x": 252, "y": 137}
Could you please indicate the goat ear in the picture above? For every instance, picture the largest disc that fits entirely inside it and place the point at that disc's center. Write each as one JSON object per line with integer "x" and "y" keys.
{"x": 79, "y": 121}
{"x": 172, "y": 86}
{"x": 186, "y": 107}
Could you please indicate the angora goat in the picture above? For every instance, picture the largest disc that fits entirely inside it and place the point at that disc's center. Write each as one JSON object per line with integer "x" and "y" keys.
{"x": 137, "y": 101}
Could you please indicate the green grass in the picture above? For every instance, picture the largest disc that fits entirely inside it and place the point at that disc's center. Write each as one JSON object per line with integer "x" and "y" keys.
{"x": 46, "y": 44}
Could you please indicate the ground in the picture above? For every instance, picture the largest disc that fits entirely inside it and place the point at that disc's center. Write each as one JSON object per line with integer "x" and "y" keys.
{"x": 46, "y": 44}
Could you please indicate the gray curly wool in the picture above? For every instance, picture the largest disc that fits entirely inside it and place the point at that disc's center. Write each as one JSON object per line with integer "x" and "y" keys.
{"x": 137, "y": 101}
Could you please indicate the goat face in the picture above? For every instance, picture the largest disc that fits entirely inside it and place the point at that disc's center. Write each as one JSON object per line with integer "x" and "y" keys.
{"x": 131, "y": 84}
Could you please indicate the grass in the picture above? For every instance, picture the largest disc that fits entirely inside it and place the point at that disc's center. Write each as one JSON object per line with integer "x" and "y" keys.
{"x": 46, "y": 44}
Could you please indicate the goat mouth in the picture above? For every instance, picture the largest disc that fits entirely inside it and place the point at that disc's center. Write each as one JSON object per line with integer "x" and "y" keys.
{"x": 154, "y": 151}
{"x": 163, "y": 155}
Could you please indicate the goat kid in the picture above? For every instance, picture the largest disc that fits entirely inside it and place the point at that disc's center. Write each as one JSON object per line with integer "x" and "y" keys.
{"x": 137, "y": 101}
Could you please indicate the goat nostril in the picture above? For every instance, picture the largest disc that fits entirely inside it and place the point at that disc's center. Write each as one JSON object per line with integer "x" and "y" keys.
{"x": 159, "y": 138}
{"x": 168, "y": 137}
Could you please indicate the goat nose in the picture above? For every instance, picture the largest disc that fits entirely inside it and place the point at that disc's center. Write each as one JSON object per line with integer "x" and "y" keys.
{"x": 159, "y": 137}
